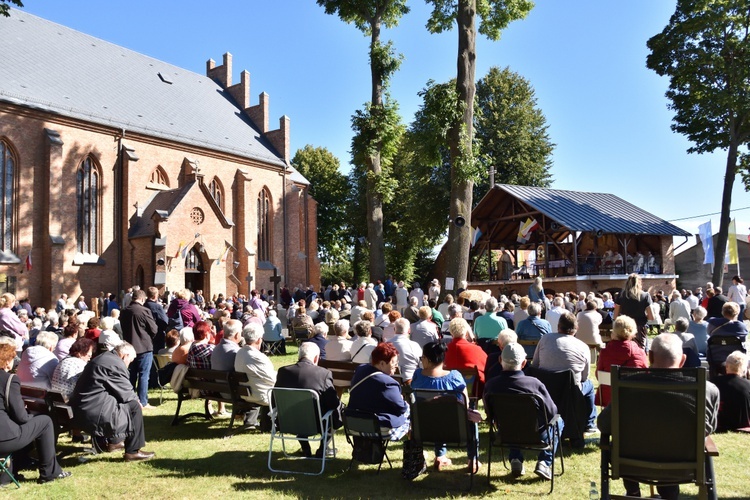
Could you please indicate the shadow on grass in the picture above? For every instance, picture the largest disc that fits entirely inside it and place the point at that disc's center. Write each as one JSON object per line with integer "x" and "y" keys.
{"x": 191, "y": 428}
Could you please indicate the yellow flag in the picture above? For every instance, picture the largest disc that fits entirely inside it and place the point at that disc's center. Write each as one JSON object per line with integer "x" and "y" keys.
{"x": 732, "y": 243}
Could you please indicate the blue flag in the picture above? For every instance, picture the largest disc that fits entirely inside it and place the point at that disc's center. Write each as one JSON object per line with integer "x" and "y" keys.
{"x": 704, "y": 231}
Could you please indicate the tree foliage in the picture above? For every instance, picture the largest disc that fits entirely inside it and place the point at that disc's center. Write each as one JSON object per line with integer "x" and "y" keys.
{"x": 330, "y": 189}
{"x": 511, "y": 131}
{"x": 5, "y": 8}
{"x": 705, "y": 52}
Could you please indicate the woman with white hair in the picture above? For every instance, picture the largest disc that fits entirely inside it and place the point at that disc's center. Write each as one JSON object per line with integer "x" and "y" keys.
{"x": 180, "y": 354}
{"x": 9, "y": 320}
{"x": 109, "y": 338}
{"x": 38, "y": 363}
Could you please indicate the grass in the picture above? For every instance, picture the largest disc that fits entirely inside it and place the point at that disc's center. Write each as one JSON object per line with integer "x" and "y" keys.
{"x": 194, "y": 461}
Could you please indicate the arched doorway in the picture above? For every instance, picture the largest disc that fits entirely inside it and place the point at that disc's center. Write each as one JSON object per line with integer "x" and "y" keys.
{"x": 194, "y": 270}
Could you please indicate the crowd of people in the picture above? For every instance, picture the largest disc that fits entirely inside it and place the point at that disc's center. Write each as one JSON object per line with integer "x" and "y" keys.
{"x": 101, "y": 360}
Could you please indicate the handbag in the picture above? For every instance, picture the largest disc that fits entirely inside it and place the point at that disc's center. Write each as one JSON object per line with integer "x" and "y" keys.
{"x": 367, "y": 450}
{"x": 414, "y": 463}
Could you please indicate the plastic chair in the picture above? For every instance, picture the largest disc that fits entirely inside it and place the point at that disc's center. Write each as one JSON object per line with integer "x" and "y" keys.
{"x": 365, "y": 425}
{"x": 439, "y": 417}
{"x": 514, "y": 423}
{"x": 296, "y": 416}
{"x": 672, "y": 448}
{"x": 5, "y": 469}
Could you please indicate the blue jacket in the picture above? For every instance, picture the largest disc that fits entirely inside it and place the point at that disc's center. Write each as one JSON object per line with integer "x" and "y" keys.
{"x": 379, "y": 394}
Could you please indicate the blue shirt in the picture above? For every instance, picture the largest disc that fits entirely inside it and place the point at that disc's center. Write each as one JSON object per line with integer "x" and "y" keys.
{"x": 453, "y": 382}
{"x": 532, "y": 328}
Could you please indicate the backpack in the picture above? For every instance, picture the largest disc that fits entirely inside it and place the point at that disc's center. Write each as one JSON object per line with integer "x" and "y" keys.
{"x": 175, "y": 321}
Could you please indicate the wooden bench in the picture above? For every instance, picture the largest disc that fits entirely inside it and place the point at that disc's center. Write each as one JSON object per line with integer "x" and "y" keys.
{"x": 40, "y": 401}
{"x": 214, "y": 385}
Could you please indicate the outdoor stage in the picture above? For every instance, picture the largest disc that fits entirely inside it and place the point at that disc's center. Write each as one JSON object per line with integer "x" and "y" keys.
{"x": 583, "y": 283}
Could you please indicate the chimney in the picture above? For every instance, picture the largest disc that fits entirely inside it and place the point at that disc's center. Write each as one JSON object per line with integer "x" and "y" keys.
{"x": 259, "y": 113}
{"x": 280, "y": 138}
{"x": 223, "y": 73}
{"x": 240, "y": 92}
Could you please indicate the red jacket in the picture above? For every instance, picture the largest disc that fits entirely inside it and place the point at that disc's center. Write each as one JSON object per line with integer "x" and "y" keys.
{"x": 620, "y": 353}
{"x": 462, "y": 354}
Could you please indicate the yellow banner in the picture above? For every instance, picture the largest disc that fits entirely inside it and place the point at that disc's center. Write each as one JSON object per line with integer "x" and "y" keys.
{"x": 732, "y": 243}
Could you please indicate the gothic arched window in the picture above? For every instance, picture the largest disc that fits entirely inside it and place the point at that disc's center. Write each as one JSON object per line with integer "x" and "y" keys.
{"x": 88, "y": 214}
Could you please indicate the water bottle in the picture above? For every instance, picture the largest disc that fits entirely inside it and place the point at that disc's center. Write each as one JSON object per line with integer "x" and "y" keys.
{"x": 593, "y": 493}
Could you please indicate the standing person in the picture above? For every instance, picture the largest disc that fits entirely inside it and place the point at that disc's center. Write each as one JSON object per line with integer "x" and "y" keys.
{"x": 417, "y": 292}
{"x": 402, "y": 297}
{"x": 738, "y": 293}
{"x": 160, "y": 317}
{"x": 434, "y": 291}
{"x": 139, "y": 330}
{"x": 633, "y": 302}
{"x": 62, "y": 304}
{"x": 188, "y": 312}
{"x": 536, "y": 293}
{"x": 18, "y": 429}
{"x": 678, "y": 307}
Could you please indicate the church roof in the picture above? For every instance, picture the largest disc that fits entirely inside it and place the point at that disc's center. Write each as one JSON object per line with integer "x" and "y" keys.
{"x": 577, "y": 211}
{"x": 60, "y": 70}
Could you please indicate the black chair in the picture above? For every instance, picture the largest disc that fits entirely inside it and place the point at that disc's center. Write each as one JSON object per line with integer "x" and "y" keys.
{"x": 719, "y": 347}
{"x": 365, "y": 426}
{"x": 514, "y": 423}
{"x": 439, "y": 417}
{"x": 569, "y": 400}
{"x": 672, "y": 448}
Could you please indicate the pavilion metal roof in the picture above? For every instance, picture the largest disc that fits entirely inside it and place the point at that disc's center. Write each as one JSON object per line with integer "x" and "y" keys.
{"x": 577, "y": 211}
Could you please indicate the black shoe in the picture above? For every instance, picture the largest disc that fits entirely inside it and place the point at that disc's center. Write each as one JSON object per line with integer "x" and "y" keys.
{"x": 81, "y": 438}
{"x": 62, "y": 475}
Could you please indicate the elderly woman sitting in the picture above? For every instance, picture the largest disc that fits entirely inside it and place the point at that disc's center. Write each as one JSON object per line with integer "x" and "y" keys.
{"x": 465, "y": 355}
{"x": 302, "y": 324}
{"x": 622, "y": 351}
{"x": 38, "y": 363}
{"x": 699, "y": 328}
{"x": 69, "y": 369}
{"x": 109, "y": 338}
{"x": 69, "y": 335}
{"x": 180, "y": 354}
{"x": 319, "y": 337}
{"x": 373, "y": 390}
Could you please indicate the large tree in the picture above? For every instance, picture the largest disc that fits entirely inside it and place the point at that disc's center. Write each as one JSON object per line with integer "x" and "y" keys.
{"x": 5, "y": 8}
{"x": 330, "y": 189}
{"x": 511, "y": 131}
{"x": 705, "y": 52}
{"x": 375, "y": 124}
{"x": 494, "y": 16}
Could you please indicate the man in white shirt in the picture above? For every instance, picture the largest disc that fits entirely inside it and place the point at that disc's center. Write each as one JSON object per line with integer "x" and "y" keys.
{"x": 418, "y": 293}
{"x": 260, "y": 372}
{"x": 409, "y": 352}
{"x": 679, "y": 307}
{"x": 356, "y": 312}
{"x": 553, "y": 315}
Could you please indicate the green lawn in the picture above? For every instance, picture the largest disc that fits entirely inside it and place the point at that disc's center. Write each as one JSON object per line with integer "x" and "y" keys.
{"x": 194, "y": 461}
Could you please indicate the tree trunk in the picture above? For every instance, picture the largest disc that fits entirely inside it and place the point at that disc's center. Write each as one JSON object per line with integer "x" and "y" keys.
{"x": 374, "y": 198}
{"x": 460, "y": 138}
{"x": 726, "y": 204}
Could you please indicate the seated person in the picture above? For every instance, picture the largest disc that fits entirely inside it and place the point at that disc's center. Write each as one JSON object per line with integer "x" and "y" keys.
{"x": 388, "y": 329}
{"x": 364, "y": 344}
{"x": 38, "y": 363}
{"x": 666, "y": 352}
{"x": 513, "y": 381}
{"x": 306, "y": 374}
{"x": 222, "y": 356}
{"x": 588, "y": 325}
{"x": 180, "y": 354}
{"x": 19, "y": 429}
{"x": 688, "y": 343}
{"x": 488, "y": 326}
{"x": 261, "y": 376}
{"x": 272, "y": 332}
{"x": 493, "y": 366}
{"x": 698, "y": 327}
{"x": 562, "y": 351}
{"x": 339, "y": 348}
{"x": 434, "y": 376}
{"x": 424, "y": 330}
{"x": 302, "y": 324}
{"x": 728, "y": 325}
{"x": 373, "y": 390}
{"x": 621, "y": 351}
{"x": 92, "y": 331}
{"x": 199, "y": 354}
{"x": 105, "y": 405}
{"x": 734, "y": 387}
{"x": 319, "y": 337}
{"x": 508, "y": 313}
{"x": 463, "y": 354}
{"x": 533, "y": 327}
{"x": 409, "y": 352}
{"x": 108, "y": 337}
{"x": 69, "y": 369}
{"x": 171, "y": 341}
{"x": 69, "y": 335}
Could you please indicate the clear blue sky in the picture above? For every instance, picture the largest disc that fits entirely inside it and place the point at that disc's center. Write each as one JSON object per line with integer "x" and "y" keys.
{"x": 607, "y": 112}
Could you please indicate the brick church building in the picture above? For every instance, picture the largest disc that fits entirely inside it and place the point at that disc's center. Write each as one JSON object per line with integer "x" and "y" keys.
{"x": 119, "y": 169}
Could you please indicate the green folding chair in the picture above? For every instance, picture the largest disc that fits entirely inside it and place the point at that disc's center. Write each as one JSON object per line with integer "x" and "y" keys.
{"x": 5, "y": 469}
